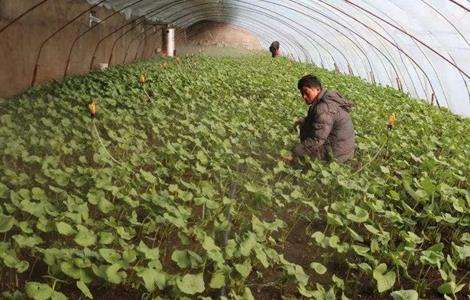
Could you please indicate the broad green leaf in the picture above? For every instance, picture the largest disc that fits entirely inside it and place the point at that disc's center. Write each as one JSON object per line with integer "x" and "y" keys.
{"x": 365, "y": 267}
{"x": 148, "y": 177}
{"x": 129, "y": 256}
{"x": 6, "y": 223}
{"x": 27, "y": 241}
{"x": 38, "y": 194}
{"x": 360, "y": 215}
{"x": 334, "y": 219}
{"x": 181, "y": 258}
{"x": 106, "y": 238}
{"x": 207, "y": 189}
{"x": 213, "y": 251}
{"x": 151, "y": 254}
{"x": 433, "y": 255}
{"x": 11, "y": 261}
{"x": 85, "y": 237}
{"x": 458, "y": 204}
{"x": 152, "y": 278}
{"x": 318, "y": 236}
{"x": 109, "y": 255}
{"x": 38, "y": 291}
{"x": 185, "y": 195}
{"x": 385, "y": 170}
{"x": 361, "y": 250}
{"x": 202, "y": 158}
{"x": 451, "y": 263}
{"x": 385, "y": 280}
{"x": 405, "y": 295}
{"x": 105, "y": 206}
{"x": 244, "y": 268}
{"x": 248, "y": 244}
{"x": 95, "y": 196}
{"x": 113, "y": 274}
{"x": 261, "y": 256}
{"x": 318, "y": 267}
{"x": 230, "y": 248}
{"x": 123, "y": 233}
{"x": 247, "y": 295}
{"x": 355, "y": 235}
{"x": 296, "y": 271}
{"x": 304, "y": 291}
{"x": 257, "y": 226}
{"x": 463, "y": 252}
{"x": 3, "y": 190}
{"x": 217, "y": 280}
{"x": 83, "y": 287}
{"x": 64, "y": 228}
{"x": 70, "y": 270}
{"x": 191, "y": 284}
{"x": 450, "y": 288}
{"x": 338, "y": 281}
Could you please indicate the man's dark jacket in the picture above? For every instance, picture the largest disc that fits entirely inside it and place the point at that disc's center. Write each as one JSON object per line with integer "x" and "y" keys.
{"x": 328, "y": 127}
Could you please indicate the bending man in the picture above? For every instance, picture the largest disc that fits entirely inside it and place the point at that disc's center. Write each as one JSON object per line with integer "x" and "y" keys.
{"x": 327, "y": 131}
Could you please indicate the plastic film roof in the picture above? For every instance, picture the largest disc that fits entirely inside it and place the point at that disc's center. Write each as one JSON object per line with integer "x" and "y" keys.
{"x": 422, "y": 46}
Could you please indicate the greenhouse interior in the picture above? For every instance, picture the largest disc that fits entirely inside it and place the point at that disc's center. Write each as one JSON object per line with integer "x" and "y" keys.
{"x": 234, "y": 149}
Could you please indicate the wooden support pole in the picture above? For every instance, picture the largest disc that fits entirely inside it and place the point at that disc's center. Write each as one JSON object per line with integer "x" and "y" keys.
{"x": 350, "y": 70}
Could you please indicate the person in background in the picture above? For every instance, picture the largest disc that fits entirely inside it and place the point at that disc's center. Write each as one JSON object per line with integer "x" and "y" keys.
{"x": 274, "y": 49}
{"x": 327, "y": 131}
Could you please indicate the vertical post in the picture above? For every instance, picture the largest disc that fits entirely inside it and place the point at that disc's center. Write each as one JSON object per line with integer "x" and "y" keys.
{"x": 400, "y": 87}
{"x": 372, "y": 77}
{"x": 350, "y": 70}
{"x": 336, "y": 67}
{"x": 169, "y": 41}
{"x": 433, "y": 99}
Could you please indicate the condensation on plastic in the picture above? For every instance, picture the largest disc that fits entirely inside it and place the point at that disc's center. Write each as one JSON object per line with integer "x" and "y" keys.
{"x": 421, "y": 45}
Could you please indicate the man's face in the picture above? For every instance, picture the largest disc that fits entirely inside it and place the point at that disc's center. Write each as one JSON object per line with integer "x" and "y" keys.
{"x": 310, "y": 94}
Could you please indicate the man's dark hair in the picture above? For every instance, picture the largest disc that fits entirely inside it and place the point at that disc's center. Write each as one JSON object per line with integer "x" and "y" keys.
{"x": 310, "y": 81}
{"x": 274, "y": 46}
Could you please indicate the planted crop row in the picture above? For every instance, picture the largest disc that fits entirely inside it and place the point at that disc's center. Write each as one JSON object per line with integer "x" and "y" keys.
{"x": 176, "y": 189}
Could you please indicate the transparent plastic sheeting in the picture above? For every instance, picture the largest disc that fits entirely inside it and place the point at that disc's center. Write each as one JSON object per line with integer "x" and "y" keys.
{"x": 422, "y": 46}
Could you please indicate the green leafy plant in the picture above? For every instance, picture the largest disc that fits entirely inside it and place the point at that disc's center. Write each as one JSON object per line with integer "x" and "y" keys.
{"x": 186, "y": 195}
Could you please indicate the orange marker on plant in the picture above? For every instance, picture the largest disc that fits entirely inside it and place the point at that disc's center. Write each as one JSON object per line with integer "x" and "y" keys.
{"x": 391, "y": 121}
{"x": 92, "y": 108}
{"x": 142, "y": 78}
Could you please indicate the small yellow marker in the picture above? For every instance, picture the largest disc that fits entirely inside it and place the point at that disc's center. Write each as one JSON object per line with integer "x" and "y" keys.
{"x": 391, "y": 121}
{"x": 142, "y": 78}
{"x": 92, "y": 107}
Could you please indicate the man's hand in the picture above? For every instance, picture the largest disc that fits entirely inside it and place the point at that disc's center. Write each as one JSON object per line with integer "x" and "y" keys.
{"x": 298, "y": 122}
